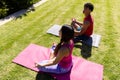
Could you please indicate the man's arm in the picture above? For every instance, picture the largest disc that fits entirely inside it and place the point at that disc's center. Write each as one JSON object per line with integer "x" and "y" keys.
{"x": 79, "y": 23}
{"x": 84, "y": 28}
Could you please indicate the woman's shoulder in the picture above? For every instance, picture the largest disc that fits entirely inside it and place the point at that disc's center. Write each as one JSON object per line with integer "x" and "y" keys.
{"x": 64, "y": 50}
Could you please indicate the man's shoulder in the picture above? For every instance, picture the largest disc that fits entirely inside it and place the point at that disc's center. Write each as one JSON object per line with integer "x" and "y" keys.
{"x": 89, "y": 19}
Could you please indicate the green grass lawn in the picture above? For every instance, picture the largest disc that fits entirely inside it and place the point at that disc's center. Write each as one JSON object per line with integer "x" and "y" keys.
{"x": 32, "y": 27}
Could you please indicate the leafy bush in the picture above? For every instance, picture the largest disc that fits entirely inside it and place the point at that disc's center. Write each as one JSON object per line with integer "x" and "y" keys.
{"x": 10, "y": 6}
{"x": 3, "y": 9}
{"x": 3, "y": 12}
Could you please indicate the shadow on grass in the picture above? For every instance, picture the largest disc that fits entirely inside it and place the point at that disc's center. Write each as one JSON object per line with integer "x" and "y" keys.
{"x": 86, "y": 50}
{"x": 23, "y": 13}
{"x": 43, "y": 76}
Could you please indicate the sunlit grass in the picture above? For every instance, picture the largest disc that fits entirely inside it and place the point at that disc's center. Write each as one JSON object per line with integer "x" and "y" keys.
{"x": 19, "y": 33}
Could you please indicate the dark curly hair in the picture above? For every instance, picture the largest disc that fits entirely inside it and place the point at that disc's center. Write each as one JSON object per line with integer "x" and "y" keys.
{"x": 89, "y": 5}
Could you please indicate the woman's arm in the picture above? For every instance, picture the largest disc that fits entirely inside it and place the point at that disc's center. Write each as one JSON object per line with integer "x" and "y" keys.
{"x": 52, "y": 54}
{"x": 64, "y": 51}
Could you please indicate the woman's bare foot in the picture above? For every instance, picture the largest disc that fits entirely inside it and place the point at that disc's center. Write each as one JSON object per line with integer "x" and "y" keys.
{"x": 36, "y": 64}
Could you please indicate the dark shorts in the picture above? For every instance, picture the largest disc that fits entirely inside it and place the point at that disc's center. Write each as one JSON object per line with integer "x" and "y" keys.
{"x": 80, "y": 38}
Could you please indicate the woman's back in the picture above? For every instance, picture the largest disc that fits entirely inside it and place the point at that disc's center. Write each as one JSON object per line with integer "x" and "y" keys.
{"x": 67, "y": 61}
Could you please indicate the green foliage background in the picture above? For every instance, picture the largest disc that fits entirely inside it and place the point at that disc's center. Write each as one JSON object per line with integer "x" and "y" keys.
{"x": 9, "y": 6}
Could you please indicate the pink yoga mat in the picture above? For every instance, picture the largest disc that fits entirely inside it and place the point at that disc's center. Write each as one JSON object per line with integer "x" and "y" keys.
{"x": 81, "y": 70}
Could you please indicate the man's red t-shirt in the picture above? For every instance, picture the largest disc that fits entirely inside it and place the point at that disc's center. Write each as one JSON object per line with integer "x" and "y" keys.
{"x": 89, "y": 30}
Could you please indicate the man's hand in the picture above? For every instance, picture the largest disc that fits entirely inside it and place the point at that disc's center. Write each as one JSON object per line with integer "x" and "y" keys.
{"x": 73, "y": 19}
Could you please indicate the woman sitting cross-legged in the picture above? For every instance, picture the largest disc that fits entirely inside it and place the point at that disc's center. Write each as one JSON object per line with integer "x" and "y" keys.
{"x": 61, "y": 59}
